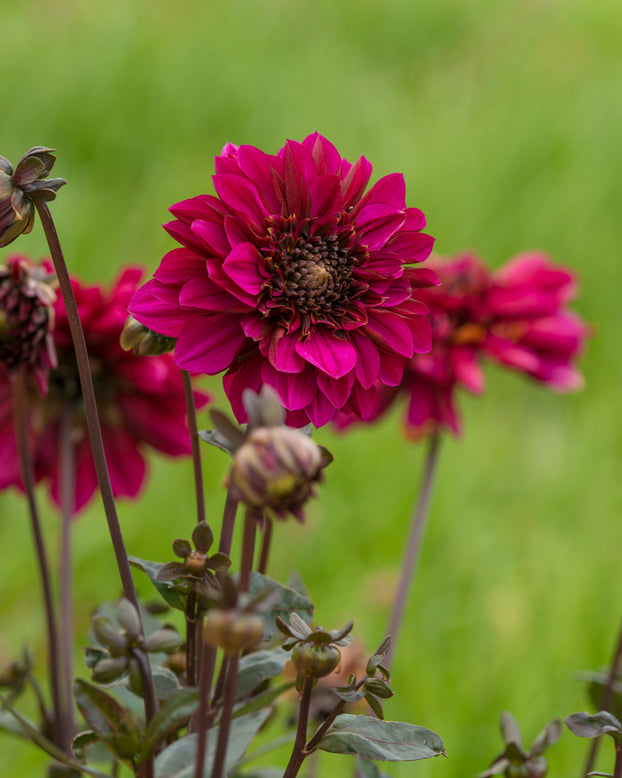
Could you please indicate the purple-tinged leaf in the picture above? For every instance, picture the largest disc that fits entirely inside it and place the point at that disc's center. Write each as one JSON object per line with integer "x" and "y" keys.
{"x": 601, "y": 723}
{"x": 387, "y": 741}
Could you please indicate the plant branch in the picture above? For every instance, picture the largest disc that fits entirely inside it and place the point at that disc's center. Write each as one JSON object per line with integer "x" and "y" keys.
{"x": 299, "y": 751}
{"x": 248, "y": 548}
{"x": 194, "y": 441}
{"x": 61, "y": 738}
{"x": 228, "y": 522}
{"x": 225, "y": 718}
{"x": 67, "y": 498}
{"x": 413, "y": 547}
{"x": 200, "y": 717}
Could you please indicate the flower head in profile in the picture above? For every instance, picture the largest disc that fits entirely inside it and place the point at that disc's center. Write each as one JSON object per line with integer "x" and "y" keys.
{"x": 19, "y": 189}
{"x": 27, "y": 295}
{"x": 516, "y": 316}
{"x": 294, "y": 277}
{"x": 140, "y": 401}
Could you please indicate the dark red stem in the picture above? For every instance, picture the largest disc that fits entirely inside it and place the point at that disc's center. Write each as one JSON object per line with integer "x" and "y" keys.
{"x": 194, "y": 442}
{"x": 61, "y": 738}
{"x": 92, "y": 421}
{"x": 299, "y": 752}
{"x": 225, "y": 717}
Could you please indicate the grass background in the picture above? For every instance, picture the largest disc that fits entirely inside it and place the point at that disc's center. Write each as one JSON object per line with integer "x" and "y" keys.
{"x": 506, "y": 120}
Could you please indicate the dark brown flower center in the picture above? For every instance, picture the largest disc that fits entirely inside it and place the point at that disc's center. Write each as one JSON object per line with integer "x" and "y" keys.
{"x": 312, "y": 275}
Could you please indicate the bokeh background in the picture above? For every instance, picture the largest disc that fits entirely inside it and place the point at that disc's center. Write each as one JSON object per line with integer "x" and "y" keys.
{"x": 506, "y": 120}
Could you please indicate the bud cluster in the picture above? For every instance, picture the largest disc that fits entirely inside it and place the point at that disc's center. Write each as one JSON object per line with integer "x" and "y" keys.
{"x": 235, "y": 623}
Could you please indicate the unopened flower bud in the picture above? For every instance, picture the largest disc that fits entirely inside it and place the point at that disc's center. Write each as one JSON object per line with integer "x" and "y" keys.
{"x": 109, "y": 635}
{"x": 233, "y": 631}
{"x": 129, "y": 619}
{"x": 276, "y": 469}
{"x": 165, "y": 639}
{"x": 109, "y": 669}
{"x": 143, "y": 341}
{"x": 19, "y": 188}
{"x": 315, "y": 660}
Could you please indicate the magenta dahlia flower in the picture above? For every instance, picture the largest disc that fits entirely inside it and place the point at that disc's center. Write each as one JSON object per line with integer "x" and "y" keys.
{"x": 293, "y": 277}
{"x": 516, "y": 316}
{"x": 140, "y": 401}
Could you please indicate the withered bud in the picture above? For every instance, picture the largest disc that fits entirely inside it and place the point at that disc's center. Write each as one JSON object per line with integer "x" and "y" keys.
{"x": 19, "y": 188}
{"x": 276, "y": 469}
{"x": 143, "y": 341}
{"x": 233, "y": 630}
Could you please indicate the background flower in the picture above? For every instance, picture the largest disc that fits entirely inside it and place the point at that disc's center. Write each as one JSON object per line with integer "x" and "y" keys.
{"x": 293, "y": 277}
{"x": 516, "y": 316}
{"x": 140, "y": 401}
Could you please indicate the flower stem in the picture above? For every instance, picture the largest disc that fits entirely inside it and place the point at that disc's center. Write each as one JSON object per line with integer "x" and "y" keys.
{"x": 194, "y": 441}
{"x": 61, "y": 738}
{"x": 605, "y": 701}
{"x": 225, "y": 717}
{"x": 228, "y": 522}
{"x": 414, "y": 543}
{"x": 191, "y": 639}
{"x": 200, "y": 722}
{"x": 67, "y": 497}
{"x": 322, "y": 729}
{"x": 265, "y": 546}
{"x": 299, "y": 752}
{"x": 248, "y": 548}
{"x": 92, "y": 420}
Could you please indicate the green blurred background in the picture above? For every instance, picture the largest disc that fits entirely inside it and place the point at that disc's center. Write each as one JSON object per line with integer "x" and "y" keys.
{"x": 506, "y": 120}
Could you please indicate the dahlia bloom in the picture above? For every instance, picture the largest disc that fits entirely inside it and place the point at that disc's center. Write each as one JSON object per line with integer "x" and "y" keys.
{"x": 293, "y": 277}
{"x": 516, "y": 316}
{"x": 140, "y": 401}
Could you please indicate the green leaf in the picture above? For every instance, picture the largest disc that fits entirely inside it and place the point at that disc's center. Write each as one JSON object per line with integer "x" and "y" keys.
{"x": 165, "y": 681}
{"x": 601, "y": 723}
{"x": 170, "y": 717}
{"x": 115, "y": 725}
{"x": 81, "y": 742}
{"x": 349, "y": 695}
{"x": 374, "y": 705}
{"x": 172, "y": 597}
{"x": 177, "y": 761}
{"x": 263, "y": 699}
{"x": 390, "y": 741}
{"x": 288, "y": 601}
{"x": 258, "y": 667}
{"x": 45, "y": 745}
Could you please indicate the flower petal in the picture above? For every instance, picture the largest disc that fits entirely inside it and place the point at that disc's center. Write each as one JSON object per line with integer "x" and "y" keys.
{"x": 333, "y": 356}
{"x": 242, "y": 266}
{"x": 207, "y": 344}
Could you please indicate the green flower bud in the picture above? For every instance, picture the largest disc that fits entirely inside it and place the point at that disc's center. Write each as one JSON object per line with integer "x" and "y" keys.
{"x": 167, "y": 640}
{"x": 143, "y": 341}
{"x": 129, "y": 619}
{"x": 315, "y": 660}
{"x": 109, "y": 669}
{"x": 110, "y": 636}
{"x": 233, "y": 631}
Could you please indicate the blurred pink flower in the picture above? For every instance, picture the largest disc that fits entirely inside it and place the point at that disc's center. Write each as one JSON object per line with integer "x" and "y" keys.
{"x": 516, "y": 316}
{"x": 140, "y": 401}
{"x": 293, "y": 277}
